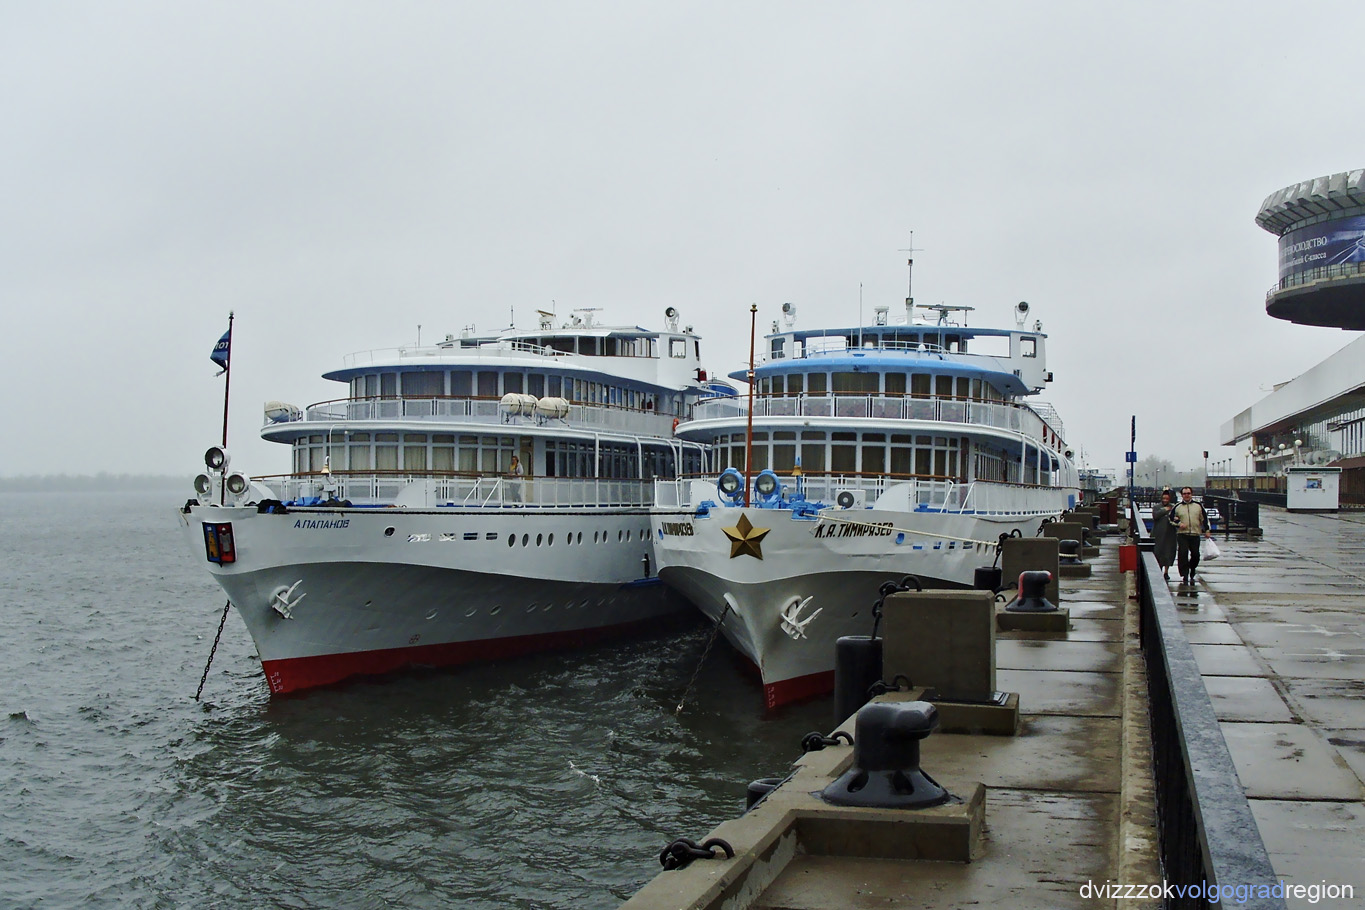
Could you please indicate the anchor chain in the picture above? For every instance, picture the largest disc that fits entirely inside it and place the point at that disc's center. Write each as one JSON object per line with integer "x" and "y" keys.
{"x": 715, "y": 633}
{"x": 682, "y": 851}
{"x": 214, "y": 650}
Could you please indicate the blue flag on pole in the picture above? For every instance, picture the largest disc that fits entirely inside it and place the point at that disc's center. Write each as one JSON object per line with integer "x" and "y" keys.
{"x": 222, "y": 352}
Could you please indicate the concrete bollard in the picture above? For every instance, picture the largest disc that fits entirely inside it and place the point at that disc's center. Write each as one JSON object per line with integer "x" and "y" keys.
{"x": 1032, "y": 554}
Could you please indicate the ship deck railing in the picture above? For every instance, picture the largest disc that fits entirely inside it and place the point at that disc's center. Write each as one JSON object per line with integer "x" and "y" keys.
{"x": 434, "y": 489}
{"x": 484, "y": 411}
{"x": 999, "y": 415}
{"x": 909, "y": 493}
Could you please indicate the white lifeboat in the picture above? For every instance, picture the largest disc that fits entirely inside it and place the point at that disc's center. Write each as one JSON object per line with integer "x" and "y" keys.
{"x": 280, "y": 412}
{"x": 515, "y": 404}
{"x": 552, "y": 408}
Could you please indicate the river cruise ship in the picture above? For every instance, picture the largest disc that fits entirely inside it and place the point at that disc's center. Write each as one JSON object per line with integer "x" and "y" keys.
{"x": 482, "y": 497}
{"x": 878, "y": 452}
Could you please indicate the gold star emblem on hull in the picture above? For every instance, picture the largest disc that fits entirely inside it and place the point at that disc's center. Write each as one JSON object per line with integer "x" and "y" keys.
{"x": 745, "y": 538}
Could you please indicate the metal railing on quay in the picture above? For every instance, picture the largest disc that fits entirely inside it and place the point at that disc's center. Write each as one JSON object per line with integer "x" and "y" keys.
{"x": 1208, "y": 835}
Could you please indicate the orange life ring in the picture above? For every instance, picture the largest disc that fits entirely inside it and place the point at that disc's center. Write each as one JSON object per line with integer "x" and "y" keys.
{"x": 675, "y": 426}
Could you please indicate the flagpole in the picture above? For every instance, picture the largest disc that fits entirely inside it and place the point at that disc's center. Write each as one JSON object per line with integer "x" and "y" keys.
{"x": 227, "y": 380}
{"x": 749, "y": 433}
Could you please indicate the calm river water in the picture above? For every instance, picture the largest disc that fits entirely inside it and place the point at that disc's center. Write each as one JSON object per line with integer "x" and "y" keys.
{"x": 546, "y": 782}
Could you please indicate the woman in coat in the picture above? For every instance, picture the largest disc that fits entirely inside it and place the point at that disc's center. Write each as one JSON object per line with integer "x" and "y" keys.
{"x": 1163, "y": 534}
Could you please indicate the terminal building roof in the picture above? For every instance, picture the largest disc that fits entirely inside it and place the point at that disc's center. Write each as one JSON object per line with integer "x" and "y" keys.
{"x": 1290, "y": 207}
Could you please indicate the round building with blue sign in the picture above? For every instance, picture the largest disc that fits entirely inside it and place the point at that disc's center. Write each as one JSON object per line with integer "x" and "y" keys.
{"x": 1321, "y": 226}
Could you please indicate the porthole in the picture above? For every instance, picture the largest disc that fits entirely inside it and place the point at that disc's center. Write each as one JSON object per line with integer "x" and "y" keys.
{"x": 526, "y": 540}
{"x": 388, "y": 532}
{"x": 512, "y": 540}
{"x": 594, "y": 537}
{"x": 540, "y": 539}
{"x": 497, "y": 608}
{"x": 580, "y": 538}
{"x": 531, "y": 607}
{"x": 470, "y": 612}
{"x": 550, "y": 541}
{"x": 431, "y": 615}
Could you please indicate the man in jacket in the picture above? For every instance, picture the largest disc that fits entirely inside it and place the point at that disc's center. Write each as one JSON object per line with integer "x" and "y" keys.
{"x": 1192, "y": 523}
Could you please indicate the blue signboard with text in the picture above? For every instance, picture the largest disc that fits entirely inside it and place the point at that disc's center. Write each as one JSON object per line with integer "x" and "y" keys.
{"x": 1327, "y": 243}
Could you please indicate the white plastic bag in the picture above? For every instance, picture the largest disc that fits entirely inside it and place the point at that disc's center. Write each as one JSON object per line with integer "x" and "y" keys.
{"x": 1208, "y": 549}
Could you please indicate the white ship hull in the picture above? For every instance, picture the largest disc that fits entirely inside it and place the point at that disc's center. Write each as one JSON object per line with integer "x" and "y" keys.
{"x": 817, "y": 580}
{"x": 333, "y": 593}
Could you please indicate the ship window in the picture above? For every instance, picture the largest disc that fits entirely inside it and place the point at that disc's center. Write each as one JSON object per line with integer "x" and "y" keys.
{"x": 919, "y": 385}
{"x": 923, "y": 461}
{"x": 855, "y": 383}
{"x": 943, "y": 386}
{"x": 386, "y": 456}
{"x": 784, "y": 434}
{"x": 815, "y": 383}
{"x": 536, "y": 385}
{"x": 512, "y": 382}
{"x": 552, "y": 386}
{"x": 443, "y": 453}
{"x": 779, "y": 385}
{"x": 902, "y": 460}
{"x": 358, "y": 387}
{"x": 388, "y": 384}
{"x": 424, "y": 384}
{"x": 813, "y": 457}
{"x": 590, "y": 346}
{"x": 874, "y": 459}
{"x": 776, "y": 350}
{"x": 784, "y": 458}
{"x": 843, "y": 436}
{"x": 1028, "y": 347}
{"x": 964, "y": 387}
{"x": 794, "y": 384}
{"x": 677, "y": 347}
{"x": 895, "y": 383}
{"x": 460, "y": 382}
{"x": 843, "y": 459}
{"x": 372, "y": 385}
{"x": 414, "y": 452}
{"x": 488, "y": 384}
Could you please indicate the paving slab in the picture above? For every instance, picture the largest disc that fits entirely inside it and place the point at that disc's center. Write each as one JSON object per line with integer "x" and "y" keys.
{"x": 1063, "y": 691}
{"x": 1247, "y": 698}
{"x": 1330, "y": 703}
{"x": 1315, "y": 843}
{"x": 1051, "y": 752}
{"x": 1211, "y": 633}
{"x": 1097, "y": 656}
{"x": 1350, "y": 745}
{"x": 1289, "y": 761}
{"x": 1071, "y": 824}
{"x": 1226, "y": 660}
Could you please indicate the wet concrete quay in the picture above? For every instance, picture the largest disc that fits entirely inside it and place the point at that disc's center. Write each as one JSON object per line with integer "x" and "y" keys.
{"x": 1068, "y": 801}
{"x": 1277, "y": 628}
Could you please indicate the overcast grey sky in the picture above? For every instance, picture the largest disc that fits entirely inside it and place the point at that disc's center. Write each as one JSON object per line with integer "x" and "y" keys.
{"x": 338, "y": 173}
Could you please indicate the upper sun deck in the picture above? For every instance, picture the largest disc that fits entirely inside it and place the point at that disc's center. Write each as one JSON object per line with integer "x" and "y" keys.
{"x": 1013, "y": 361}
{"x": 669, "y": 358}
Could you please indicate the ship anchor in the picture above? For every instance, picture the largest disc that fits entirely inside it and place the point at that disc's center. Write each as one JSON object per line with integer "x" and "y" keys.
{"x": 792, "y": 622}
{"x": 280, "y": 602}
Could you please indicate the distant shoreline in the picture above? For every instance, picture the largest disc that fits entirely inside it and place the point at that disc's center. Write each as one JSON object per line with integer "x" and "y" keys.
{"x": 58, "y": 483}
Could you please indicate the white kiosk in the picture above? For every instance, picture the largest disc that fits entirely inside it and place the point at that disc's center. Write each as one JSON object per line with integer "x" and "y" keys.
{"x": 1313, "y": 489}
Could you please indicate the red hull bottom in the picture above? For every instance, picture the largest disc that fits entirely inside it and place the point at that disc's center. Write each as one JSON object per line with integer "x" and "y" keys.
{"x": 296, "y": 674}
{"x": 798, "y": 688}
